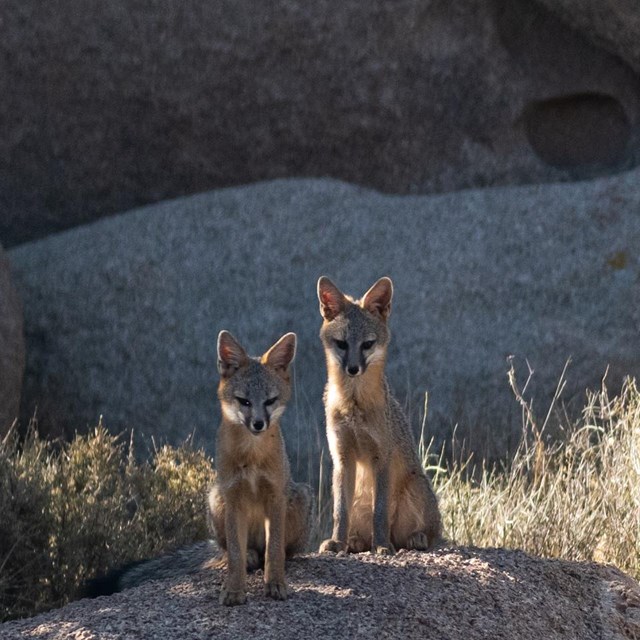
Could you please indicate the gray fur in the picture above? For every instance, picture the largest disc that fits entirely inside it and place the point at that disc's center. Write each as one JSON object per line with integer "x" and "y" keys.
{"x": 181, "y": 562}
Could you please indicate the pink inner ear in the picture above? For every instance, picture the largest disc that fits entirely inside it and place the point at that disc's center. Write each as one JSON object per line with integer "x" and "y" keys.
{"x": 226, "y": 353}
{"x": 280, "y": 356}
{"x": 378, "y": 299}
{"x": 230, "y": 352}
{"x": 332, "y": 300}
{"x": 328, "y": 300}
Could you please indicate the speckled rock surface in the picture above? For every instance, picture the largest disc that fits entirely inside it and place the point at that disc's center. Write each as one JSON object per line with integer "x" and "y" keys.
{"x": 449, "y": 594}
{"x": 122, "y": 315}
{"x": 110, "y": 105}
{"x": 11, "y": 347}
{"x": 612, "y": 24}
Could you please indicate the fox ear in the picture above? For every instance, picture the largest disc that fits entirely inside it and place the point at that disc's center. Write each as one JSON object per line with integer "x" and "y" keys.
{"x": 281, "y": 355}
{"x": 378, "y": 299}
{"x": 331, "y": 299}
{"x": 231, "y": 356}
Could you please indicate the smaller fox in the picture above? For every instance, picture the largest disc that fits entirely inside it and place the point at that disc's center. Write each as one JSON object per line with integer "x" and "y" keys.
{"x": 382, "y": 499}
{"x": 258, "y": 514}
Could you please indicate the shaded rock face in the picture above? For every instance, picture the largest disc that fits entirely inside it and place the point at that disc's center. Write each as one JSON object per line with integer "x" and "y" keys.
{"x": 450, "y": 594}
{"x": 11, "y": 347}
{"x": 111, "y": 105}
{"x": 122, "y": 315}
{"x": 583, "y": 128}
{"x": 613, "y": 25}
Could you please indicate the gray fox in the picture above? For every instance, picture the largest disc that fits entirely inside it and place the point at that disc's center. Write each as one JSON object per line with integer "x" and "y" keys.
{"x": 382, "y": 499}
{"x": 256, "y": 513}
{"x": 256, "y": 510}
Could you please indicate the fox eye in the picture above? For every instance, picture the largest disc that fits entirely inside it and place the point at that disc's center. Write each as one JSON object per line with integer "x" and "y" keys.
{"x": 270, "y": 401}
{"x": 342, "y": 345}
{"x": 243, "y": 401}
{"x": 367, "y": 344}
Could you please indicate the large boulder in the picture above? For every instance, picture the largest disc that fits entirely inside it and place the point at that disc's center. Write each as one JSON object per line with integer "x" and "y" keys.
{"x": 122, "y": 314}
{"x": 454, "y": 593}
{"x": 612, "y": 24}
{"x": 11, "y": 347}
{"x": 109, "y": 105}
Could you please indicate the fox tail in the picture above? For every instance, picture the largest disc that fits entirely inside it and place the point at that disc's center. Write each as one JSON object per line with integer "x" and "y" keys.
{"x": 182, "y": 562}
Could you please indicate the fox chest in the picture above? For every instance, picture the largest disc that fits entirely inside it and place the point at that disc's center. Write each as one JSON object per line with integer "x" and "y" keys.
{"x": 252, "y": 484}
{"x": 250, "y": 479}
{"x": 251, "y": 467}
{"x": 352, "y": 432}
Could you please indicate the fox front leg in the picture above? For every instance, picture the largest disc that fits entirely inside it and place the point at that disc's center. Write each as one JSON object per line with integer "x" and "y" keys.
{"x": 344, "y": 479}
{"x": 234, "y": 590}
{"x": 381, "y": 532}
{"x": 274, "y": 578}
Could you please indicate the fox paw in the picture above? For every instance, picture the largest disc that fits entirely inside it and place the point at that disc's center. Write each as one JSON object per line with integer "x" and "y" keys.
{"x": 232, "y": 598}
{"x": 356, "y": 544}
{"x": 332, "y": 546}
{"x": 275, "y": 590}
{"x": 385, "y": 550}
{"x": 418, "y": 541}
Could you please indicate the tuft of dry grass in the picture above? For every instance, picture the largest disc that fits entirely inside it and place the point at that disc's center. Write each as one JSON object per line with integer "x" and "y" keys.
{"x": 575, "y": 497}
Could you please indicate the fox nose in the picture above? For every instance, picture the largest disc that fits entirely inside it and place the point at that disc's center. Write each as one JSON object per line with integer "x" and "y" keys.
{"x": 258, "y": 425}
{"x": 353, "y": 371}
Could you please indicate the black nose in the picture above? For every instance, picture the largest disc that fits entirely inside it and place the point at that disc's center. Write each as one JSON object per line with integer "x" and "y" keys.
{"x": 352, "y": 371}
{"x": 258, "y": 425}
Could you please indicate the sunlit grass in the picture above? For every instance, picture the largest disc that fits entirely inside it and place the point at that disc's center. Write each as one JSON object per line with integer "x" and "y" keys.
{"x": 575, "y": 497}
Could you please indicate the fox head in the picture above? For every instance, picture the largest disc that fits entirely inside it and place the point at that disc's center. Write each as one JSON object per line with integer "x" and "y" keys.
{"x": 254, "y": 392}
{"x": 355, "y": 332}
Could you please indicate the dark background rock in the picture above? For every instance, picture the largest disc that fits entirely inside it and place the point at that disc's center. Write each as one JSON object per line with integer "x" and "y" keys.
{"x": 611, "y": 24}
{"x": 11, "y": 347}
{"x": 122, "y": 314}
{"x": 110, "y": 105}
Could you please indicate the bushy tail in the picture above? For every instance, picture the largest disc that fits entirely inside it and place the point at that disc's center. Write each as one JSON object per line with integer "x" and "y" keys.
{"x": 181, "y": 562}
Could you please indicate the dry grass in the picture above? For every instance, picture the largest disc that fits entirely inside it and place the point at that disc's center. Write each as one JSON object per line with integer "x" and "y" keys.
{"x": 577, "y": 497}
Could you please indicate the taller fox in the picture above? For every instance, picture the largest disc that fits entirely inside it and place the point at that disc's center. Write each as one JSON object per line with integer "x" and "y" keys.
{"x": 382, "y": 499}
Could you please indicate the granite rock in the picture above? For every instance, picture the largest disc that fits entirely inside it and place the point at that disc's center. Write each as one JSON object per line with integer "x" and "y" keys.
{"x": 11, "y": 347}
{"x": 122, "y": 314}
{"x": 452, "y": 593}
{"x": 107, "y": 106}
{"x": 613, "y": 25}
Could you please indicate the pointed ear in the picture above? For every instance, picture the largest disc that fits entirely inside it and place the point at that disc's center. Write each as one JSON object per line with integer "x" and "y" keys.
{"x": 281, "y": 355}
{"x": 378, "y": 299}
{"x": 332, "y": 300}
{"x": 231, "y": 356}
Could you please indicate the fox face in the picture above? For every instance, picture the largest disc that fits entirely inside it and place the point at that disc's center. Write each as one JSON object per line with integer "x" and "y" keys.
{"x": 254, "y": 392}
{"x": 354, "y": 332}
